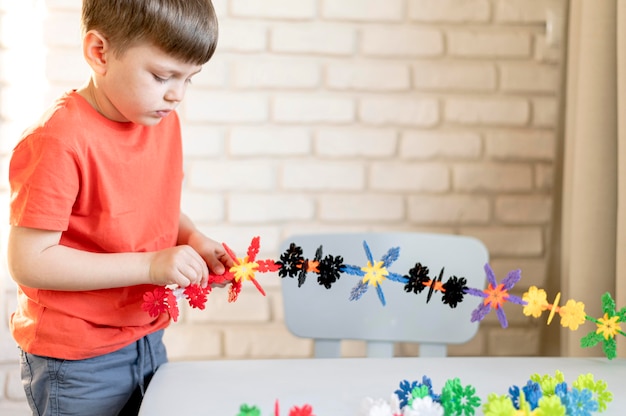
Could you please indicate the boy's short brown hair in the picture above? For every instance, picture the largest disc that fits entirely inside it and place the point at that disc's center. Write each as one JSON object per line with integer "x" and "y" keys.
{"x": 185, "y": 29}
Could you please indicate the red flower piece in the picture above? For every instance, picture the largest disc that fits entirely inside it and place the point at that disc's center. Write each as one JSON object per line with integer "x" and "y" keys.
{"x": 305, "y": 410}
{"x": 267, "y": 266}
{"x": 197, "y": 295}
{"x": 226, "y": 277}
{"x": 234, "y": 290}
{"x": 155, "y": 302}
{"x": 253, "y": 250}
{"x": 172, "y": 305}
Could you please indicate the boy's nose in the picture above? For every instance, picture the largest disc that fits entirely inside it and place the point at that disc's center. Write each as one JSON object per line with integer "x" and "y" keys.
{"x": 175, "y": 93}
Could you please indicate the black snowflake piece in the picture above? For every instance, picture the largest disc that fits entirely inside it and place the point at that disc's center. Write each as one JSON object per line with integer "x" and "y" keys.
{"x": 454, "y": 290}
{"x": 291, "y": 261}
{"x": 330, "y": 268}
{"x": 417, "y": 278}
{"x": 434, "y": 284}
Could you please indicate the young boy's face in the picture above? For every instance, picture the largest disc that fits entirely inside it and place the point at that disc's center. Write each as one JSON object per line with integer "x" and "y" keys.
{"x": 143, "y": 85}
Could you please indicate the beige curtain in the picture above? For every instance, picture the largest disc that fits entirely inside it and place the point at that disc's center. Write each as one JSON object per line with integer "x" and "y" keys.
{"x": 591, "y": 236}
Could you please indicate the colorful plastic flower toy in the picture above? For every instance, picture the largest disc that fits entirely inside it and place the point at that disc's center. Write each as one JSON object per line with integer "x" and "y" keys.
{"x": 305, "y": 410}
{"x": 374, "y": 273}
{"x": 165, "y": 299}
{"x": 329, "y": 269}
{"x": 607, "y": 327}
{"x": 573, "y": 316}
{"x": 246, "y": 268}
{"x": 496, "y": 295}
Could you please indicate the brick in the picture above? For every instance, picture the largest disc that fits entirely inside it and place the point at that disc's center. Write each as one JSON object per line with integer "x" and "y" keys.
{"x": 520, "y": 11}
{"x": 199, "y": 141}
{"x": 303, "y": 108}
{"x": 192, "y": 342}
{"x": 63, "y": 4}
{"x": 269, "y": 208}
{"x": 245, "y": 341}
{"x": 489, "y": 44}
{"x": 401, "y": 41}
{"x": 530, "y": 78}
{"x": 238, "y": 237}
{"x": 62, "y": 28}
{"x": 240, "y": 175}
{"x": 413, "y": 111}
{"x": 276, "y": 73}
{"x": 326, "y": 176}
{"x": 364, "y": 10}
{"x": 492, "y": 177}
{"x": 313, "y": 38}
{"x": 242, "y": 36}
{"x": 430, "y": 144}
{"x": 544, "y": 177}
{"x": 214, "y": 74}
{"x": 523, "y": 209}
{"x": 274, "y": 9}
{"x": 13, "y": 106}
{"x": 275, "y": 295}
{"x": 456, "y": 11}
{"x": 221, "y": 9}
{"x": 66, "y": 66}
{"x": 219, "y": 107}
{"x": 448, "y": 209}
{"x": 534, "y": 271}
{"x": 545, "y": 52}
{"x": 250, "y": 307}
{"x": 509, "y": 241}
{"x": 14, "y": 390}
{"x": 361, "y": 207}
{"x": 473, "y": 348}
{"x": 355, "y": 142}
{"x": 514, "y": 342}
{"x": 203, "y": 207}
{"x": 515, "y": 145}
{"x": 10, "y": 408}
{"x": 545, "y": 112}
{"x": 10, "y": 131}
{"x": 371, "y": 76}
{"x": 271, "y": 141}
{"x": 454, "y": 76}
{"x": 353, "y": 349}
{"x": 491, "y": 111}
{"x": 394, "y": 176}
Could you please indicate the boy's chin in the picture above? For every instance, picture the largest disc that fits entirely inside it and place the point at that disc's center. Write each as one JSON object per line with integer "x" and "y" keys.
{"x": 148, "y": 121}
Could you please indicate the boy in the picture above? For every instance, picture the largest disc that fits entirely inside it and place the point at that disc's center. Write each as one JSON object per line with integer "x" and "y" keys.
{"x": 95, "y": 210}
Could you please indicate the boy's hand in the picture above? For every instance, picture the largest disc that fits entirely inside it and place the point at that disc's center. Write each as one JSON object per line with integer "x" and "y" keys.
{"x": 213, "y": 253}
{"x": 180, "y": 265}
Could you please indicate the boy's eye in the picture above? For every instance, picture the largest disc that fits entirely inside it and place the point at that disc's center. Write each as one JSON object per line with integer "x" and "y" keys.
{"x": 158, "y": 78}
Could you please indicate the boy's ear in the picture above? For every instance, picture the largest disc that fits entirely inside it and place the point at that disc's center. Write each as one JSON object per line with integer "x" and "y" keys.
{"x": 96, "y": 51}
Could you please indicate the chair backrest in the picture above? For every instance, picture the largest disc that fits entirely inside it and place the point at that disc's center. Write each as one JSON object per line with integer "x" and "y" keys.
{"x": 328, "y": 316}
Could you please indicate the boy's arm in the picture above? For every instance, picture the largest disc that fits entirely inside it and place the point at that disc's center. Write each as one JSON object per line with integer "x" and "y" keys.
{"x": 37, "y": 260}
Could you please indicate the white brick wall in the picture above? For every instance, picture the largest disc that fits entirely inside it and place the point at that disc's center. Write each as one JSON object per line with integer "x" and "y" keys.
{"x": 327, "y": 115}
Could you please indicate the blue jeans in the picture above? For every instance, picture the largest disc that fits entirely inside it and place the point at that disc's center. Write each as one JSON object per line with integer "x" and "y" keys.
{"x": 108, "y": 385}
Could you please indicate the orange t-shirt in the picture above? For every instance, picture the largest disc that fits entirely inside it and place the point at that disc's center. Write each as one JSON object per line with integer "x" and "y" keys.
{"x": 109, "y": 187}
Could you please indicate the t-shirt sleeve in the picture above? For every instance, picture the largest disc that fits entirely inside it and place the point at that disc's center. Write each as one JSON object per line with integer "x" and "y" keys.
{"x": 44, "y": 180}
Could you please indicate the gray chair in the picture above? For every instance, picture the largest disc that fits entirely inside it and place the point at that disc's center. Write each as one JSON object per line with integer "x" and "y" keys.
{"x": 328, "y": 316}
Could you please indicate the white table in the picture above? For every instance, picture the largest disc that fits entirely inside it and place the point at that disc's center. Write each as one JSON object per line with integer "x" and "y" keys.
{"x": 336, "y": 387}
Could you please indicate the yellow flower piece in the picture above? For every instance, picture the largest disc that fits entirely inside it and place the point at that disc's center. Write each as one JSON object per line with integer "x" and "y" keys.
{"x": 244, "y": 269}
{"x": 374, "y": 274}
{"x": 572, "y": 314}
{"x": 608, "y": 327}
{"x": 536, "y": 302}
